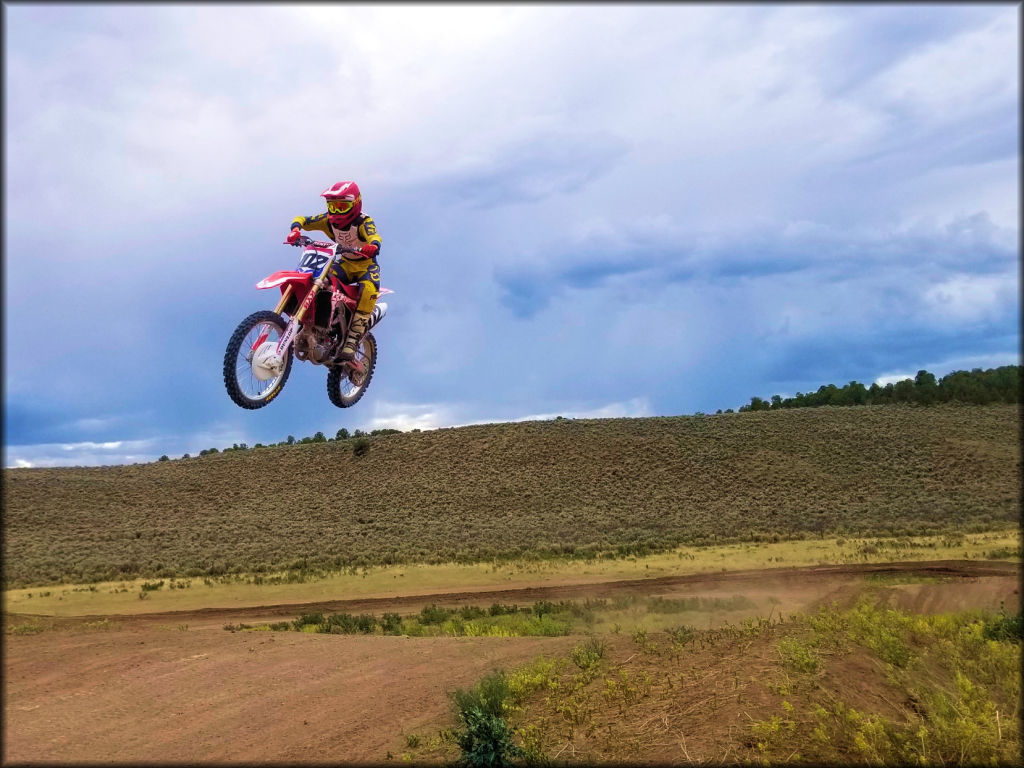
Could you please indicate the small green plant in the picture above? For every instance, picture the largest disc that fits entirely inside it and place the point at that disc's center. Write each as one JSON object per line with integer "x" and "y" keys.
{"x": 800, "y": 656}
{"x": 771, "y": 732}
{"x": 432, "y": 614}
{"x": 314, "y": 619}
{"x": 99, "y": 624}
{"x": 486, "y": 739}
{"x": 497, "y": 609}
{"x": 488, "y": 695}
{"x": 542, "y": 674}
{"x": 361, "y": 446}
{"x": 533, "y": 741}
{"x": 29, "y": 628}
{"x": 588, "y": 655}
{"x": 1005, "y": 627}
{"x": 883, "y": 630}
{"x": 391, "y": 624}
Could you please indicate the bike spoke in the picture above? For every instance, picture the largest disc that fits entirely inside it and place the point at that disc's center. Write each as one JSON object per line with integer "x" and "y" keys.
{"x": 244, "y": 374}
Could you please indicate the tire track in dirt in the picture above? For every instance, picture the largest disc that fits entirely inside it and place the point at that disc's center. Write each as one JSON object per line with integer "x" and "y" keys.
{"x": 964, "y": 569}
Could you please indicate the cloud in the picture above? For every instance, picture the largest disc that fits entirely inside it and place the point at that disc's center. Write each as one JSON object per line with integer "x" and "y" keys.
{"x": 965, "y": 298}
{"x": 892, "y": 378}
{"x": 90, "y": 446}
{"x": 864, "y": 356}
{"x": 425, "y": 416}
{"x": 946, "y": 366}
{"x": 410, "y": 416}
{"x": 944, "y": 79}
{"x": 633, "y": 408}
{"x": 533, "y": 169}
{"x": 81, "y": 454}
{"x": 93, "y": 423}
{"x": 931, "y": 253}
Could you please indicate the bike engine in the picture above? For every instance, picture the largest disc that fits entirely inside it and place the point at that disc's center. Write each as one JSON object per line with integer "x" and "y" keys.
{"x": 312, "y": 344}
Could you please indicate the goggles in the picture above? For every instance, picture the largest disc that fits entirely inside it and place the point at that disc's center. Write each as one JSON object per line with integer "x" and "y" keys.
{"x": 340, "y": 206}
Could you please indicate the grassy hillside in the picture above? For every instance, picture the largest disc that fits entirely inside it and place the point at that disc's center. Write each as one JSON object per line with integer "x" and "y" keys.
{"x": 504, "y": 489}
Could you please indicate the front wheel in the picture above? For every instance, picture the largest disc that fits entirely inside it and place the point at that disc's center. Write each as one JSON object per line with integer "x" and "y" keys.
{"x": 345, "y": 388}
{"x": 253, "y": 374}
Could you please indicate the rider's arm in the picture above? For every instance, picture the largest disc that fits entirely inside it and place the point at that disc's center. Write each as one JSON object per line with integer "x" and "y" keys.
{"x": 318, "y": 222}
{"x": 368, "y": 232}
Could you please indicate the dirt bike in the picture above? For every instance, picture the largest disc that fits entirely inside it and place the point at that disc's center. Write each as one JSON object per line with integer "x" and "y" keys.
{"x": 258, "y": 359}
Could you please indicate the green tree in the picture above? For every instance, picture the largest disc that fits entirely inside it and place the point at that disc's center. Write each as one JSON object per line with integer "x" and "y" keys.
{"x": 342, "y": 434}
{"x": 290, "y": 440}
{"x": 903, "y": 391}
{"x": 926, "y": 389}
{"x": 319, "y": 438}
{"x": 857, "y": 393}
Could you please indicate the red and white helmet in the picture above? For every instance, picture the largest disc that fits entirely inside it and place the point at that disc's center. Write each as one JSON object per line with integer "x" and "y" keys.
{"x": 344, "y": 203}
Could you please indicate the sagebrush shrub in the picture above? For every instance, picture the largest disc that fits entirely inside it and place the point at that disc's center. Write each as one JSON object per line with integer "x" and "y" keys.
{"x": 487, "y": 741}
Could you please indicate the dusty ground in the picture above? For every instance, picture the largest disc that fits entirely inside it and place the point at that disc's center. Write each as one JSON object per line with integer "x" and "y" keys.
{"x": 177, "y": 687}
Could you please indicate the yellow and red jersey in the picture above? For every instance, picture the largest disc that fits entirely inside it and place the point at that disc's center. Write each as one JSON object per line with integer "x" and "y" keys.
{"x": 352, "y": 267}
{"x": 356, "y": 234}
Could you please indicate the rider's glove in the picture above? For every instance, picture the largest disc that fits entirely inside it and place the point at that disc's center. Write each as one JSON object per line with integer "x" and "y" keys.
{"x": 293, "y": 236}
{"x": 369, "y": 250}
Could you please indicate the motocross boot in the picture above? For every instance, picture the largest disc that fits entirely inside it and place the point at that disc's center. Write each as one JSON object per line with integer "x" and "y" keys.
{"x": 356, "y": 329}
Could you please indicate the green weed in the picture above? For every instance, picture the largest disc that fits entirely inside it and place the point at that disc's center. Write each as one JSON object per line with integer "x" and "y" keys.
{"x": 28, "y": 628}
{"x": 800, "y": 656}
{"x": 589, "y": 654}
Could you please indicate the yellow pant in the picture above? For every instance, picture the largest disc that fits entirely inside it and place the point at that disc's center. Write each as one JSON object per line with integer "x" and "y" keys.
{"x": 366, "y": 272}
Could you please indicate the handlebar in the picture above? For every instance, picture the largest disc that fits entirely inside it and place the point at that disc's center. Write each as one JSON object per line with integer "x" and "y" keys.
{"x": 303, "y": 241}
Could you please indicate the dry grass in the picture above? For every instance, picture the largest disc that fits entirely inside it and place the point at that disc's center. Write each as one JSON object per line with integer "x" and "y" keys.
{"x": 525, "y": 489}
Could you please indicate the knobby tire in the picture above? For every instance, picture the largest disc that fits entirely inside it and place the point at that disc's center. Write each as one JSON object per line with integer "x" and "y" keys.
{"x": 231, "y": 360}
{"x": 337, "y": 375}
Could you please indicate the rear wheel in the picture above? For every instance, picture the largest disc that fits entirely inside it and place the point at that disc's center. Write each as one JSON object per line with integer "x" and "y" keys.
{"x": 345, "y": 387}
{"x": 252, "y": 373}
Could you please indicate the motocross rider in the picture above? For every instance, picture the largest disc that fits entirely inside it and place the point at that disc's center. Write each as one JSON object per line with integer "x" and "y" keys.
{"x": 346, "y": 224}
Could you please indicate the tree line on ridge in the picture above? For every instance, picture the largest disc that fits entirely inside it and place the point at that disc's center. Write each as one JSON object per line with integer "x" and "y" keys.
{"x": 981, "y": 387}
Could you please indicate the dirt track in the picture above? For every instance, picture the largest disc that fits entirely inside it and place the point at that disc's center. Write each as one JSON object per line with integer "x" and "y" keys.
{"x": 528, "y": 595}
{"x": 175, "y": 686}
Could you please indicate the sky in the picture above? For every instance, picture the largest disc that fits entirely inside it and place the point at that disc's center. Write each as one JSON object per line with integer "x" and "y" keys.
{"x": 586, "y": 210}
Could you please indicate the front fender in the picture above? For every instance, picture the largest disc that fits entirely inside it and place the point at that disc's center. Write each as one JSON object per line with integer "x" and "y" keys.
{"x": 298, "y": 279}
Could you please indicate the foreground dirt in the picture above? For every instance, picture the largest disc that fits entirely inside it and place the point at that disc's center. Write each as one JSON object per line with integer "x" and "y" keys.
{"x": 179, "y": 688}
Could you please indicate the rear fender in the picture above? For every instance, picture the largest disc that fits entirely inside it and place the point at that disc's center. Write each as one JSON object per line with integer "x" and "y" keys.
{"x": 350, "y": 292}
{"x": 346, "y": 293}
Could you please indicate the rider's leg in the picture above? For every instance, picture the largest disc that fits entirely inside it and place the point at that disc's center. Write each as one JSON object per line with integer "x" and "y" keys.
{"x": 369, "y": 288}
